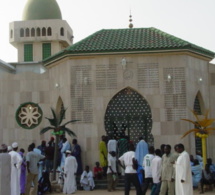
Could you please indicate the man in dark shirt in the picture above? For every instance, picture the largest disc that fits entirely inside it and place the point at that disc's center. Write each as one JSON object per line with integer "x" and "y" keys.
{"x": 49, "y": 153}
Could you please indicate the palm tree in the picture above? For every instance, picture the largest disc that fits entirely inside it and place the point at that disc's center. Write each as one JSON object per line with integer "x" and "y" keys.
{"x": 202, "y": 128}
{"x": 58, "y": 130}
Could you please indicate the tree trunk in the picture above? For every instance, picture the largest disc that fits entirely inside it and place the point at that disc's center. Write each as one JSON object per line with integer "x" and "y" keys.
{"x": 55, "y": 157}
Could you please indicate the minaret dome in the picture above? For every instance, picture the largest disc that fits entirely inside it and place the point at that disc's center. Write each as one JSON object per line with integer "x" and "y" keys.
{"x": 41, "y": 10}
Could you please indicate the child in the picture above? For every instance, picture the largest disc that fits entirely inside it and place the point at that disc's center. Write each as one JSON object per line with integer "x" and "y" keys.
{"x": 98, "y": 171}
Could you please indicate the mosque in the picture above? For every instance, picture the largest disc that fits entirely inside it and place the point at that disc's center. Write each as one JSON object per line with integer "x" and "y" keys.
{"x": 137, "y": 81}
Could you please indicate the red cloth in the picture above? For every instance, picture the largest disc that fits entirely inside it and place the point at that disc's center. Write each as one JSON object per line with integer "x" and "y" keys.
{"x": 98, "y": 172}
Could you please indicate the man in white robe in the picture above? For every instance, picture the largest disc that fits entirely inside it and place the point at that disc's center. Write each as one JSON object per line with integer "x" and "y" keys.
{"x": 70, "y": 169}
{"x": 66, "y": 146}
{"x": 183, "y": 177}
{"x": 87, "y": 179}
{"x": 112, "y": 145}
{"x": 5, "y": 171}
{"x": 16, "y": 161}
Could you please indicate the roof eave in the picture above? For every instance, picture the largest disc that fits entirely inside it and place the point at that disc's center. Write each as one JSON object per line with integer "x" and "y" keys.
{"x": 69, "y": 53}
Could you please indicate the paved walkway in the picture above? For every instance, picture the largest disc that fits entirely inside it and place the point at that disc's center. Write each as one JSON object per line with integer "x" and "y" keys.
{"x": 119, "y": 192}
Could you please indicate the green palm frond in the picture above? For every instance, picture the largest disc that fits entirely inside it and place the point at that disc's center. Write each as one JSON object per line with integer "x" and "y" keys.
{"x": 44, "y": 130}
{"x": 72, "y": 121}
{"x": 62, "y": 115}
{"x": 52, "y": 121}
{"x": 55, "y": 118}
{"x": 68, "y": 131}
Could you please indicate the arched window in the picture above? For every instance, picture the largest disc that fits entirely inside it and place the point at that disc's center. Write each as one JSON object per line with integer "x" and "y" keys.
{"x": 49, "y": 31}
{"x": 199, "y": 109}
{"x": 27, "y": 32}
{"x": 38, "y": 32}
{"x": 43, "y": 31}
{"x": 33, "y": 32}
{"x": 11, "y": 34}
{"x": 62, "y": 31}
{"x": 21, "y": 32}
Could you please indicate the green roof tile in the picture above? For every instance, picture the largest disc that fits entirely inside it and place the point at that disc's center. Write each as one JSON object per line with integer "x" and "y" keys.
{"x": 131, "y": 40}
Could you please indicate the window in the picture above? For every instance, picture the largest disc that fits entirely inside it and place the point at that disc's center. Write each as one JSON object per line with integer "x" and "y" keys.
{"x": 21, "y": 32}
{"x": 38, "y": 32}
{"x": 28, "y": 52}
{"x": 33, "y": 32}
{"x": 49, "y": 31}
{"x": 43, "y": 31}
{"x": 27, "y": 32}
{"x": 62, "y": 31}
{"x": 46, "y": 50}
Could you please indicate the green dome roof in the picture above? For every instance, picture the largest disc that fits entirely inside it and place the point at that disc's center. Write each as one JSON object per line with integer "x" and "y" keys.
{"x": 41, "y": 10}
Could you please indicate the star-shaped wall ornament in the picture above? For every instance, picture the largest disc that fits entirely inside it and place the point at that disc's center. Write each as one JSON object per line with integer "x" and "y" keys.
{"x": 29, "y": 115}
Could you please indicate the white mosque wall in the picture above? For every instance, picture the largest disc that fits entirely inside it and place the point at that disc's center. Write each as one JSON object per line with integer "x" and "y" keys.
{"x": 86, "y": 84}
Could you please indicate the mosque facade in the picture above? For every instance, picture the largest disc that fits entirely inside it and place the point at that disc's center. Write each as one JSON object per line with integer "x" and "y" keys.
{"x": 134, "y": 81}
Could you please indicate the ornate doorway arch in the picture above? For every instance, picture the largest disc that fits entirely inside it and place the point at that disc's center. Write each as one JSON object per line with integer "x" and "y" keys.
{"x": 128, "y": 113}
{"x": 198, "y": 107}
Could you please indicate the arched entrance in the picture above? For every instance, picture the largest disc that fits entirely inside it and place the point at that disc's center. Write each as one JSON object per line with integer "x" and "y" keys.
{"x": 128, "y": 113}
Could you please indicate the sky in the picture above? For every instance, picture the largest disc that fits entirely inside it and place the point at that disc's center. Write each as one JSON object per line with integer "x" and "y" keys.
{"x": 191, "y": 20}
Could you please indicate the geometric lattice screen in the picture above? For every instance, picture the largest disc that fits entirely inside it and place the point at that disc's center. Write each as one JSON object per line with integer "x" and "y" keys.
{"x": 81, "y": 93}
{"x": 148, "y": 75}
{"x": 128, "y": 113}
{"x": 174, "y": 91}
{"x": 106, "y": 77}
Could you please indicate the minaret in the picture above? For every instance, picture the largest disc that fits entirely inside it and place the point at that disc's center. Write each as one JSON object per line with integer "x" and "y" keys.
{"x": 41, "y": 33}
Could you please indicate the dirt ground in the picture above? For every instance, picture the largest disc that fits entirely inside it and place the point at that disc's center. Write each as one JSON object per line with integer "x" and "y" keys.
{"x": 120, "y": 192}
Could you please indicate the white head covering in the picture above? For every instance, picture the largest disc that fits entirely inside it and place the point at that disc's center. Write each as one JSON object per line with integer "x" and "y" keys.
{"x": 14, "y": 145}
{"x": 68, "y": 152}
{"x": 9, "y": 148}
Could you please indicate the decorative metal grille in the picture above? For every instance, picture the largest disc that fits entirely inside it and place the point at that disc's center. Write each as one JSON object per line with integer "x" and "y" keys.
{"x": 128, "y": 113}
{"x": 148, "y": 75}
{"x": 106, "y": 77}
{"x": 174, "y": 93}
{"x": 81, "y": 94}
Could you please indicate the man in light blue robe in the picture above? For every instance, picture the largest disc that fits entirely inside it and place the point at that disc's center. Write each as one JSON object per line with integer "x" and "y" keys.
{"x": 196, "y": 169}
{"x": 140, "y": 152}
{"x": 66, "y": 146}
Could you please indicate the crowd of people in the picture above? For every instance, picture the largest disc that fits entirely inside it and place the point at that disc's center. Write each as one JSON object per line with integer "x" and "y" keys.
{"x": 165, "y": 171}
{"x": 32, "y": 169}
{"x": 162, "y": 170}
